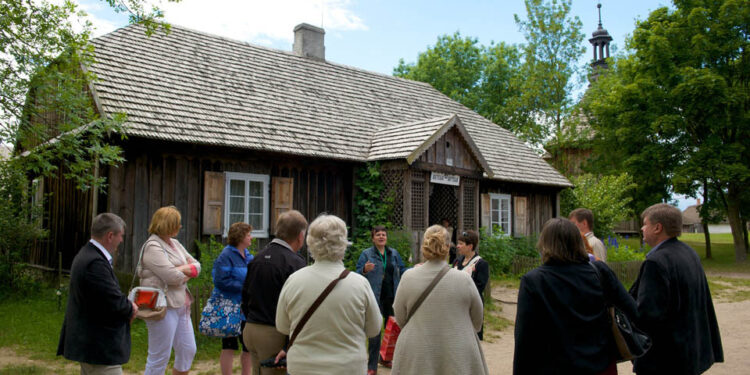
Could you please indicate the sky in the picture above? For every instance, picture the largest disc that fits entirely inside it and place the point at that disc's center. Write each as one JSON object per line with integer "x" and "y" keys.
{"x": 374, "y": 34}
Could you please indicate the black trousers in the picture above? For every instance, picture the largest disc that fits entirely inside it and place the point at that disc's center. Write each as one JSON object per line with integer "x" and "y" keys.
{"x": 373, "y": 347}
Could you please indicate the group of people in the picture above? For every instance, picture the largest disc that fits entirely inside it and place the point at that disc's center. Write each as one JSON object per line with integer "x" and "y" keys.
{"x": 321, "y": 319}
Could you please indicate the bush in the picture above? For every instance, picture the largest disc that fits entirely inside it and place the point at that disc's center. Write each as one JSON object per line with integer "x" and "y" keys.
{"x": 499, "y": 250}
{"x": 606, "y": 196}
{"x": 208, "y": 251}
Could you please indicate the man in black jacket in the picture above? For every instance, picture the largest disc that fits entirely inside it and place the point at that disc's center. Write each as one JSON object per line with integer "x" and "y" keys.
{"x": 674, "y": 303}
{"x": 96, "y": 329}
{"x": 266, "y": 275}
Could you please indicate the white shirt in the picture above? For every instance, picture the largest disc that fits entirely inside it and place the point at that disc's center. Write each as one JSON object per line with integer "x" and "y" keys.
{"x": 102, "y": 249}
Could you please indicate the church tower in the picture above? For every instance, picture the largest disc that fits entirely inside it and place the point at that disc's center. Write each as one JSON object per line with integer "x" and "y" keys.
{"x": 600, "y": 41}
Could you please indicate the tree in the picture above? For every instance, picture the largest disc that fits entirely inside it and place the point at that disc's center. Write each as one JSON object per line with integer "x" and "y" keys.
{"x": 676, "y": 109}
{"x": 606, "y": 196}
{"x": 486, "y": 79}
{"x": 46, "y": 110}
{"x": 553, "y": 46}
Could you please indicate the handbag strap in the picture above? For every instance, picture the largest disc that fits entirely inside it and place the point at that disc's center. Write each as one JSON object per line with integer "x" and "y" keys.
{"x": 315, "y": 306}
{"x": 426, "y": 292}
{"x": 135, "y": 271}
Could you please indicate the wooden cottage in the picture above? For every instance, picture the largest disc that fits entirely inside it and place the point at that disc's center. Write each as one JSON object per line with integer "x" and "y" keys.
{"x": 229, "y": 131}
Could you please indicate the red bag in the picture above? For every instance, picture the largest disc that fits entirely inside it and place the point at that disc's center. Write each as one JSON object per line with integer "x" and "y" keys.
{"x": 146, "y": 299}
{"x": 389, "y": 339}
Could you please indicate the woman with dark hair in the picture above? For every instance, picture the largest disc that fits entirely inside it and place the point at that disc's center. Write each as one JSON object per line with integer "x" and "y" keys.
{"x": 383, "y": 267}
{"x": 561, "y": 323}
{"x": 469, "y": 261}
{"x": 229, "y": 271}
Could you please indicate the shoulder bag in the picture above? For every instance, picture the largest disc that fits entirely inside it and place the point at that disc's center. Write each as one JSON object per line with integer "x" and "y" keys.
{"x": 315, "y": 306}
{"x": 630, "y": 342}
{"x": 426, "y": 293}
{"x": 151, "y": 302}
{"x": 221, "y": 317}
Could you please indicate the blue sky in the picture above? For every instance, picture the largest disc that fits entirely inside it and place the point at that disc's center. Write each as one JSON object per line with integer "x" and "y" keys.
{"x": 374, "y": 34}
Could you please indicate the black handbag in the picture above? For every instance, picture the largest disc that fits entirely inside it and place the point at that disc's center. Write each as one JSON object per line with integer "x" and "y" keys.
{"x": 630, "y": 342}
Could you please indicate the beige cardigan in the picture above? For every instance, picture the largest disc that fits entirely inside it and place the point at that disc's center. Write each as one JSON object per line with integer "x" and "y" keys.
{"x": 441, "y": 335}
{"x": 334, "y": 339}
{"x": 159, "y": 269}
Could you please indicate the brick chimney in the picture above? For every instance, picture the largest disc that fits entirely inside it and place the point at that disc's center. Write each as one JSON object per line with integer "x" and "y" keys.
{"x": 308, "y": 42}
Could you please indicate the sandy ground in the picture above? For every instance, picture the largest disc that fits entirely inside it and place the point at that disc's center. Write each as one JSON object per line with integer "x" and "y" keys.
{"x": 733, "y": 318}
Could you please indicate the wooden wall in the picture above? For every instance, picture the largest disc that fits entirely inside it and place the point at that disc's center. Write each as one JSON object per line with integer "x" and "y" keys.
{"x": 451, "y": 146}
{"x": 541, "y": 203}
{"x": 158, "y": 174}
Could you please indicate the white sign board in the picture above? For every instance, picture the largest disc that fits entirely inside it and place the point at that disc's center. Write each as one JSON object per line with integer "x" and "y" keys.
{"x": 445, "y": 179}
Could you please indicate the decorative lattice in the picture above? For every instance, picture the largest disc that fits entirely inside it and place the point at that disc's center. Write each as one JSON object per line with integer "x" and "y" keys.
{"x": 443, "y": 203}
{"x": 470, "y": 204}
{"x": 394, "y": 187}
{"x": 417, "y": 201}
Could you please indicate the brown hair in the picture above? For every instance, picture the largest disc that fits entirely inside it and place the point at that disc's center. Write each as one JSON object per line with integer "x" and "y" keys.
{"x": 435, "y": 244}
{"x": 668, "y": 216}
{"x": 561, "y": 241}
{"x": 290, "y": 224}
{"x": 165, "y": 222}
{"x": 583, "y": 214}
{"x": 469, "y": 237}
{"x": 376, "y": 229}
{"x": 237, "y": 233}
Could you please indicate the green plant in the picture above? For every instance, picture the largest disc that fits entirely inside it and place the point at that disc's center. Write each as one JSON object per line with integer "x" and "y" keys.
{"x": 499, "y": 250}
{"x": 208, "y": 251}
{"x": 606, "y": 196}
{"x": 372, "y": 206}
{"x": 624, "y": 253}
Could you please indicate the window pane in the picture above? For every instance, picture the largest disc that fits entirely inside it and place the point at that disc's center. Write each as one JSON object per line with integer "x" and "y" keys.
{"x": 257, "y": 222}
{"x": 256, "y": 188}
{"x": 495, "y": 217}
{"x": 236, "y": 205}
{"x": 506, "y": 204}
{"x": 256, "y": 205}
{"x": 505, "y": 228}
{"x": 237, "y": 187}
{"x": 495, "y": 204}
{"x": 505, "y": 216}
{"x": 235, "y": 218}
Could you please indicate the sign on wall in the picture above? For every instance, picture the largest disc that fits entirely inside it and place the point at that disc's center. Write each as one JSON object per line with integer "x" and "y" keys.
{"x": 445, "y": 179}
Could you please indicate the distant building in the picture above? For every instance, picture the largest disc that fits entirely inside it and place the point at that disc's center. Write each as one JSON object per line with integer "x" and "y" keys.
{"x": 691, "y": 222}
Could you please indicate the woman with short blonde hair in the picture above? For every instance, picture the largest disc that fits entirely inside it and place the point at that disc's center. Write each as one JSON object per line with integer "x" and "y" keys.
{"x": 333, "y": 340}
{"x": 427, "y": 345}
{"x": 165, "y": 264}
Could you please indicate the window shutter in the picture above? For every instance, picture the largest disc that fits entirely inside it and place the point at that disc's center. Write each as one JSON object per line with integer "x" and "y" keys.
{"x": 213, "y": 202}
{"x": 486, "y": 213}
{"x": 282, "y": 197}
{"x": 521, "y": 219}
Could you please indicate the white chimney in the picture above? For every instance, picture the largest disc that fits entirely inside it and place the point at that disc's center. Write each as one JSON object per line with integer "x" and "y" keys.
{"x": 308, "y": 41}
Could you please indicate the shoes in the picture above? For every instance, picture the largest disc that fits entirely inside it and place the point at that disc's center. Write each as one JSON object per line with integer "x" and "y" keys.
{"x": 388, "y": 364}
{"x": 372, "y": 372}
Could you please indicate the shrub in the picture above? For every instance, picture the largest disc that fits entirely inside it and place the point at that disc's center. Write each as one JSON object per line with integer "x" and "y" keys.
{"x": 499, "y": 250}
{"x": 208, "y": 251}
{"x": 606, "y": 196}
{"x": 624, "y": 253}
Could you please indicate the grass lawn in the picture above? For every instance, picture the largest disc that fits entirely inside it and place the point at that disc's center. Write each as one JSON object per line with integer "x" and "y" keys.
{"x": 32, "y": 325}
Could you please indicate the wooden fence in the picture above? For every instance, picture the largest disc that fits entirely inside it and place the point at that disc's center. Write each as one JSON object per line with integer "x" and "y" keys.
{"x": 626, "y": 272}
{"x": 200, "y": 296}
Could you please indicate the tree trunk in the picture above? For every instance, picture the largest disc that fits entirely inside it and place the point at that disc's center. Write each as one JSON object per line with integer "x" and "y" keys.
{"x": 738, "y": 233}
{"x": 747, "y": 240}
{"x": 705, "y": 223}
{"x": 708, "y": 239}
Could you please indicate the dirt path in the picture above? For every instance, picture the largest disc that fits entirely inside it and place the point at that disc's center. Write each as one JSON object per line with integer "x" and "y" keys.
{"x": 732, "y": 316}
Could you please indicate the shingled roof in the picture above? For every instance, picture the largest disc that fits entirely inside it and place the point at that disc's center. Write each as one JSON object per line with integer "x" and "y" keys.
{"x": 193, "y": 87}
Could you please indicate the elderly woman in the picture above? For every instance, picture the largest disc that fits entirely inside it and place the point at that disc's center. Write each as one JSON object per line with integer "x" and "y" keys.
{"x": 383, "y": 267}
{"x": 469, "y": 261}
{"x": 229, "y": 271}
{"x": 333, "y": 340}
{"x": 440, "y": 336}
{"x": 168, "y": 266}
{"x": 561, "y": 322}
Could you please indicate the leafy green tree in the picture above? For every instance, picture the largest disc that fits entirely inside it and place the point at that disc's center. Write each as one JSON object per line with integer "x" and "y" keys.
{"x": 486, "y": 79}
{"x": 606, "y": 196}
{"x": 553, "y": 47}
{"x": 682, "y": 96}
{"x": 46, "y": 110}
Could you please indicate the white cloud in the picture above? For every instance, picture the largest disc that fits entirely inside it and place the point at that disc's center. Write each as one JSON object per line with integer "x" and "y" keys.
{"x": 261, "y": 21}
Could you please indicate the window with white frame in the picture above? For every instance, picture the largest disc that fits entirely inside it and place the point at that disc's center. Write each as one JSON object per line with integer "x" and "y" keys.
{"x": 500, "y": 212}
{"x": 247, "y": 201}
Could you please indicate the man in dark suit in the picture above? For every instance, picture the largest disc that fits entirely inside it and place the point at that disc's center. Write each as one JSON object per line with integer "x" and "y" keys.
{"x": 96, "y": 329}
{"x": 674, "y": 303}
